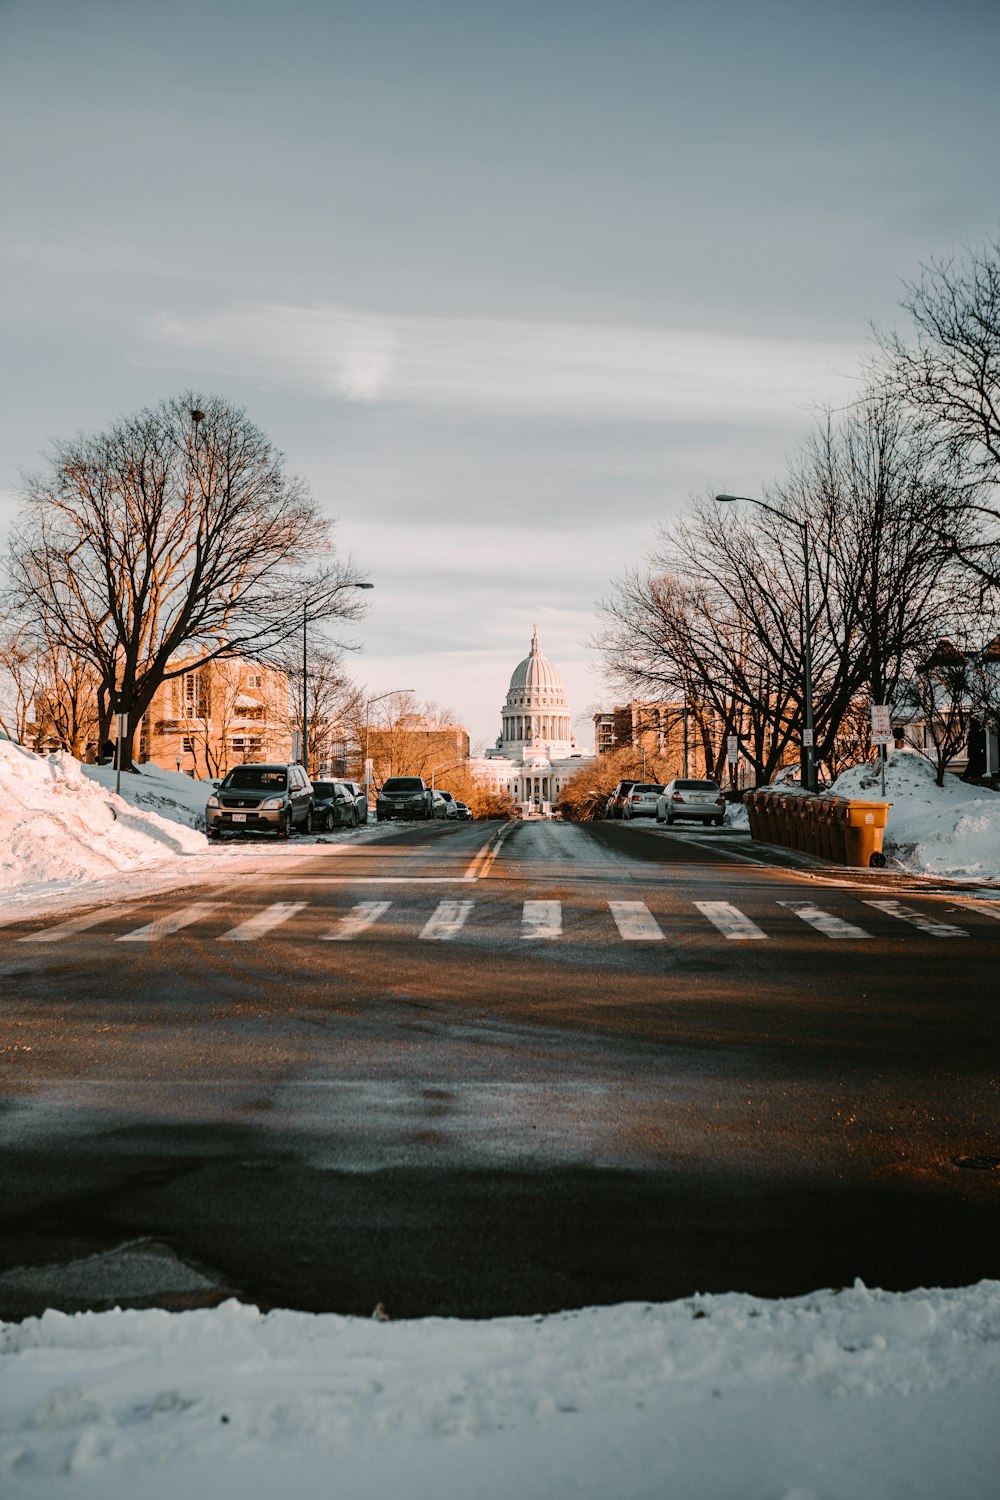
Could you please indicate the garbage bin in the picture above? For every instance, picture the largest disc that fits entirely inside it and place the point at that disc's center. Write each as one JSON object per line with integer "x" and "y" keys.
{"x": 863, "y": 825}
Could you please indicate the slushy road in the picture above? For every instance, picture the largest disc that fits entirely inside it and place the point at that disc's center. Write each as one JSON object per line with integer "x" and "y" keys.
{"x": 468, "y": 1070}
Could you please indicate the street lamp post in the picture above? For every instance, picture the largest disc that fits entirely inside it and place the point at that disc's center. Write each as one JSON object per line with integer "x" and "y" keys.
{"x": 305, "y": 679}
{"x": 443, "y": 766}
{"x": 808, "y": 728}
{"x": 368, "y": 703}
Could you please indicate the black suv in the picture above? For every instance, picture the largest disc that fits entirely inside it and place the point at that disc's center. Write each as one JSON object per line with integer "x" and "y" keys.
{"x": 261, "y": 798}
{"x": 404, "y": 797}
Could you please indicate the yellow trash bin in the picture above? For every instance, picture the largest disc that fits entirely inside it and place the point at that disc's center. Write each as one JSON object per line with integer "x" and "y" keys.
{"x": 864, "y": 824}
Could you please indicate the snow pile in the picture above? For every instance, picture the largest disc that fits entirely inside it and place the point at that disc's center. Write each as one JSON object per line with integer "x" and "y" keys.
{"x": 851, "y": 1395}
{"x": 59, "y": 826}
{"x": 932, "y": 830}
{"x": 176, "y": 797}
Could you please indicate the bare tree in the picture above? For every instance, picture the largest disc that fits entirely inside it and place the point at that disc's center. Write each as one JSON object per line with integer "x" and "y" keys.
{"x": 950, "y": 376}
{"x": 176, "y": 530}
{"x": 719, "y": 616}
{"x": 21, "y": 677}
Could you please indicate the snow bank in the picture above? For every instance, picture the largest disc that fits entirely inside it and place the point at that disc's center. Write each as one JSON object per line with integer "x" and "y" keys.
{"x": 932, "y": 830}
{"x": 856, "y": 1395}
{"x": 59, "y": 826}
{"x": 171, "y": 794}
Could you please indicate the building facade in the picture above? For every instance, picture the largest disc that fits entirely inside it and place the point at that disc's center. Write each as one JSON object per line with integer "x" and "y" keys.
{"x": 216, "y": 715}
{"x": 536, "y": 752}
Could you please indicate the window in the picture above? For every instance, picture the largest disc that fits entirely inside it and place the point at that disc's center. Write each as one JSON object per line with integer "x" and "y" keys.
{"x": 255, "y": 679}
{"x": 187, "y": 744}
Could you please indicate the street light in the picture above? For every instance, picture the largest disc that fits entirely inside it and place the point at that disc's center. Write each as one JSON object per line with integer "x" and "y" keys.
{"x": 368, "y": 703}
{"x": 305, "y": 686}
{"x": 808, "y": 729}
{"x": 443, "y": 766}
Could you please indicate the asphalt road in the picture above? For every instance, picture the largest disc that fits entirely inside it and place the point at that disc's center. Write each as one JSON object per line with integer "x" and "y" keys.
{"x": 467, "y": 1077}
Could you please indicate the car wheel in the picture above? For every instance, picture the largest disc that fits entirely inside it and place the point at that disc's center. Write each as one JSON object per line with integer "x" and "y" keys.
{"x": 212, "y": 833}
{"x": 328, "y": 821}
{"x": 307, "y": 822}
{"x": 670, "y": 821}
{"x": 718, "y": 822}
{"x": 285, "y": 826}
{"x": 355, "y": 820}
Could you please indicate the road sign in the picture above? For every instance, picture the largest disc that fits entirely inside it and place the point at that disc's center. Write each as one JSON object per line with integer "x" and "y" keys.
{"x": 881, "y": 724}
{"x": 733, "y": 747}
{"x": 807, "y": 737}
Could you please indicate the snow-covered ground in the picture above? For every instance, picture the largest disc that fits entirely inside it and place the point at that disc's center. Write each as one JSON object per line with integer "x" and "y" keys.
{"x": 839, "y": 1395}
{"x": 951, "y": 830}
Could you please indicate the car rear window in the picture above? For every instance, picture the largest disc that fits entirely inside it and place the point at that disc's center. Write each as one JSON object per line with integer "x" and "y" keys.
{"x": 324, "y": 788}
{"x": 403, "y": 784}
{"x": 256, "y": 779}
{"x": 650, "y": 787}
{"x": 697, "y": 786}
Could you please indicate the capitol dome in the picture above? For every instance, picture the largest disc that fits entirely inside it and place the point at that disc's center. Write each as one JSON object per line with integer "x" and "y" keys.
{"x": 536, "y": 711}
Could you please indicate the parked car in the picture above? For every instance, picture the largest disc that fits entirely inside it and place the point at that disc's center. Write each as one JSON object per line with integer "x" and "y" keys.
{"x": 360, "y": 796}
{"x": 700, "y": 800}
{"x": 616, "y": 802}
{"x": 450, "y": 803}
{"x": 464, "y": 812}
{"x": 334, "y": 805}
{"x": 261, "y": 798}
{"x": 440, "y": 805}
{"x": 642, "y": 799}
{"x": 405, "y": 797}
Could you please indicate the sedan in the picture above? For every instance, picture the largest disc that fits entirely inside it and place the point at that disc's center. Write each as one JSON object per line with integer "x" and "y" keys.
{"x": 464, "y": 812}
{"x": 334, "y": 806}
{"x": 641, "y": 801}
{"x": 701, "y": 801}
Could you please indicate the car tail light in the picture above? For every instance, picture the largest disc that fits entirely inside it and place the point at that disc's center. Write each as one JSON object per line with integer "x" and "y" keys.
{"x": 721, "y": 798}
{"x": 677, "y": 797}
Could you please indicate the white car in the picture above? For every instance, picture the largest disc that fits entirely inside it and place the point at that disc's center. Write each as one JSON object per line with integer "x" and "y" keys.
{"x": 701, "y": 801}
{"x": 641, "y": 801}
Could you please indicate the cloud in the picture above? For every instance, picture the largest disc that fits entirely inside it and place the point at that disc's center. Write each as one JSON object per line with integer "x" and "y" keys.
{"x": 584, "y": 370}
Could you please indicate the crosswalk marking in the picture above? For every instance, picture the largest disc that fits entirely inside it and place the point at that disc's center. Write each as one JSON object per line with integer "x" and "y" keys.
{"x": 824, "y": 921}
{"x": 166, "y": 926}
{"x": 917, "y": 919}
{"x": 541, "y": 919}
{"x": 78, "y": 924}
{"x": 730, "y": 920}
{"x": 636, "y": 922}
{"x": 984, "y": 908}
{"x": 448, "y": 920}
{"x": 262, "y": 921}
{"x": 357, "y": 919}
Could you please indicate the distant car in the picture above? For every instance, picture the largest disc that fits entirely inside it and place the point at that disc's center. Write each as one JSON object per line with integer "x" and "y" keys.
{"x": 701, "y": 801}
{"x": 451, "y": 804}
{"x": 463, "y": 812}
{"x": 642, "y": 799}
{"x": 440, "y": 805}
{"x": 616, "y": 802}
{"x": 261, "y": 799}
{"x": 334, "y": 806}
{"x": 360, "y": 796}
{"x": 405, "y": 797}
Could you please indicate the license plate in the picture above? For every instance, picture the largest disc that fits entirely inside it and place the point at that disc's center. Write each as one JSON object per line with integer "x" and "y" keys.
{"x": 239, "y": 817}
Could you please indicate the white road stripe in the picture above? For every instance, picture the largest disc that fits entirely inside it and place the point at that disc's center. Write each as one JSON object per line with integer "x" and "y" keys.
{"x": 263, "y": 921}
{"x": 79, "y": 924}
{"x": 357, "y": 919}
{"x": 541, "y": 919}
{"x": 824, "y": 921}
{"x": 730, "y": 920}
{"x": 167, "y": 926}
{"x": 448, "y": 919}
{"x": 636, "y": 922}
{"x": 917, "y": 919}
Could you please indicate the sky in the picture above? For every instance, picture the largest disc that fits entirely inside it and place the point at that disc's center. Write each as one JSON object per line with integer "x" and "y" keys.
{"x": 508, "y": 285}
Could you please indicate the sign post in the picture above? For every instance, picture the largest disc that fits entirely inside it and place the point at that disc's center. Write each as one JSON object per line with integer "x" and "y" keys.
{"x": 881, "y": 733}
{"x": 120, "y": 722}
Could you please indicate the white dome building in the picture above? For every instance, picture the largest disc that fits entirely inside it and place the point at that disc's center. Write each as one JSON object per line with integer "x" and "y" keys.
{"x": 536, "y": 752}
